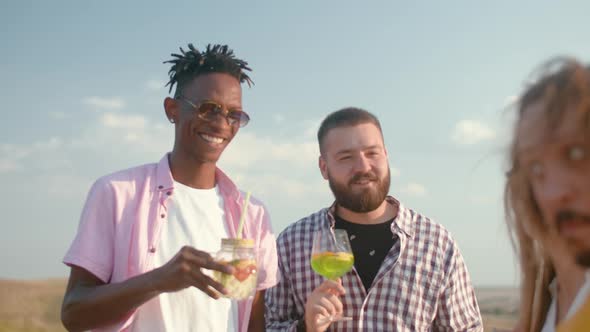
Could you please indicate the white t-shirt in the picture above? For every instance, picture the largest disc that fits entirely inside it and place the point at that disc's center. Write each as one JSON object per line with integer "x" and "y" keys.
{"x": 581, "y": 296}
{"x": 195, "y": 218}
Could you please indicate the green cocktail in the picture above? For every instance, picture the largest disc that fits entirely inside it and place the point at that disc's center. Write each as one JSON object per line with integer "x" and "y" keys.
{"x": 332, "y": 265}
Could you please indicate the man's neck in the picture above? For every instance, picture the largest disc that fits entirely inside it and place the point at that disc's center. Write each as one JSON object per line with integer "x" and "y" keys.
{"x": 383, "y": 213}
{"x": 191, "y": 172}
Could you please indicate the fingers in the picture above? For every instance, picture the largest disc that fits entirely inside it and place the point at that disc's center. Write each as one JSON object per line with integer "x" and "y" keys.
{"x": 331, "y": 304}
{"x": 336, "y": 303}
{"x": 322, "y": 305}
{"x": 207, "y": 289}
{"x": 332, "y": 287}
{"x": 211, "y": 264}
{"x": 201, "y": 259}
{"x": 207, "y": 284}
{"x": 185, "y": 270}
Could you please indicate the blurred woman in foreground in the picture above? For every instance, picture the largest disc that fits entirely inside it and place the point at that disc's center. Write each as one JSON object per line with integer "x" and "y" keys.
{"x": 545, "y": 185}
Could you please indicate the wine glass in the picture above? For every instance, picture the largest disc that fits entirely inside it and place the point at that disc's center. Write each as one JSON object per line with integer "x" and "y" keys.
{"x": 331, "y": 257}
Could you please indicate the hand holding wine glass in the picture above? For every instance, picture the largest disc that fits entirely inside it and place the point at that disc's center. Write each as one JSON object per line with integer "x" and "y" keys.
{"x": 323, "y": 304}
{"x": 331, "y": 258}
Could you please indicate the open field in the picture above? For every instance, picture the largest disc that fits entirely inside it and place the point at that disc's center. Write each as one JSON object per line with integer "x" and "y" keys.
{"x": 499, "y": 307}
{"x": 33, "y": 306}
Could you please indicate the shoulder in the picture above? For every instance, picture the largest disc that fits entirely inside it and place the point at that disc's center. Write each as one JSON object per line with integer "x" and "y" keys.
{"x": 297, "y": 231}
{"x": 127, "y": 178}
{"x": 429, "y": 233}
{"x": 130, "y": 174}
{"x": 431, "y": 229}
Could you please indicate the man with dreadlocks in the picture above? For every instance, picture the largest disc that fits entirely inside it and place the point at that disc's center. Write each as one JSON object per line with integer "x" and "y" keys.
{"x": 140, "y": 258}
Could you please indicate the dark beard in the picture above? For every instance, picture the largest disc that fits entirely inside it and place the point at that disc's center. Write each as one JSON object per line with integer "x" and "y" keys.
{"x": 366, "y": 201}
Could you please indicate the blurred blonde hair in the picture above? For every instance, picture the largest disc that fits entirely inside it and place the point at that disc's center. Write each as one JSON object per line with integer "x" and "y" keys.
{"x": 562, "y": 83}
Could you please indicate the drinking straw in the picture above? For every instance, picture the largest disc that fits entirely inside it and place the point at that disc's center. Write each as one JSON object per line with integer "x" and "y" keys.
{"x": 243, "y": 216}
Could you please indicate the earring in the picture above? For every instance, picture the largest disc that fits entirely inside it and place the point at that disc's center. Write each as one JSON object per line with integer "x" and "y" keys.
{"x": 171, "y": 120}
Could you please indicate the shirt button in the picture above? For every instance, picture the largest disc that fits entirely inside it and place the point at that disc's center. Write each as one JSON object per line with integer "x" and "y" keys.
{"x": 169, "y": 193}
{"x": 152, "y": 250}
{"x": 160, "y": 187}
{"x": 162, "y": 215}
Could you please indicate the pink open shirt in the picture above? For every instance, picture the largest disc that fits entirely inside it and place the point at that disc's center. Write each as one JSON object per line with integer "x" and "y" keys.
{"x": 121, "y": 221}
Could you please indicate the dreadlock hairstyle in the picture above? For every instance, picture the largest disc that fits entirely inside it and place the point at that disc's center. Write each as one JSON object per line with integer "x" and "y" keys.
{"x": 215, "y": 59}
{"x": 561, "y": 83}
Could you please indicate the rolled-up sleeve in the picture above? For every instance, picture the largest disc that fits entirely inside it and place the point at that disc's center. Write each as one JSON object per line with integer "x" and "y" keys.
{"x": 93, "y": 246}
{"x": 267, "y": 253}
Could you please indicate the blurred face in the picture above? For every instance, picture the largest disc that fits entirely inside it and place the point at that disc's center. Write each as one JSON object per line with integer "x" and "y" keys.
{"x": 557, "y": 164}
{"x": 354, "y": 162}
{"x": 204, "y": 139}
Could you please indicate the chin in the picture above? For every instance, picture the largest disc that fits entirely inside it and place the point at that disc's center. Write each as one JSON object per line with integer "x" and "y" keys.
{"x": 206, "y": 155}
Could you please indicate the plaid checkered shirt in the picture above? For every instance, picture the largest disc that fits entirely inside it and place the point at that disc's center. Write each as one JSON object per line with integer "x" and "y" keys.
{"x": 422, "y": 284}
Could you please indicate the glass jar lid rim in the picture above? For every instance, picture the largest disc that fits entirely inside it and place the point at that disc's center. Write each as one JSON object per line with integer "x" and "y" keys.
{"x": 238, "y": 242}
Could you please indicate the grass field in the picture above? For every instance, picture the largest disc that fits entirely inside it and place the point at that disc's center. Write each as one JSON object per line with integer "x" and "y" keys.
{"x": 33, "y": 306}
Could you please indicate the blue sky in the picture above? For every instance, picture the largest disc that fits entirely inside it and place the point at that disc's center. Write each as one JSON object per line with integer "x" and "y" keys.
{"x": 82, "y": 91}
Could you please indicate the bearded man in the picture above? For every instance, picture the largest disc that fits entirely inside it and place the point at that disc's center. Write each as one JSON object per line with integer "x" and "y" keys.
{"x": 408, "y": 273}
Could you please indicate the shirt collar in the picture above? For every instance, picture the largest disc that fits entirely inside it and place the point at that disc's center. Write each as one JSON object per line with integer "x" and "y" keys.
{"x": 165, "y": 181}
{"x": 403, "y": 222}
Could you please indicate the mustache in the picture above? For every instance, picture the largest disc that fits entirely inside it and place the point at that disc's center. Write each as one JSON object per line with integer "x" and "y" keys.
{"x": 363, "y": 176}
{"x": 570, "y": 215}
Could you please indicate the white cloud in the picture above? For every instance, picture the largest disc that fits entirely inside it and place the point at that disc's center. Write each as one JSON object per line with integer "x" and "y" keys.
{"x": 269, "y": 184}
{"x": 510, "y": 101}
{"x": 15, "y": 157}
{"x": 249, "y": 150}
{"x": 395, "y": 172}
{"x": 103, "y": 103}
{"x": 414, "y": 189}
{"x": 154, "y": 85}
{"x": 469, "y": 132}
{"x": 14, "y": 152}
{"x": 50, "y": 144}
{"x": 278, "y": 118}
{"x": 124, "y": 121}
{"x": 7, "y": 166}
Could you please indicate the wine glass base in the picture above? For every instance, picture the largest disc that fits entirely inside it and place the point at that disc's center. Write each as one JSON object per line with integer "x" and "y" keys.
{"x": 335, "y": 318}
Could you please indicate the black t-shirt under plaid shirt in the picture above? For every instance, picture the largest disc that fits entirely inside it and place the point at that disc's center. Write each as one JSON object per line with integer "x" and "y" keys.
{"x": 370, "y": 244}
{"x": 422, "y": 284}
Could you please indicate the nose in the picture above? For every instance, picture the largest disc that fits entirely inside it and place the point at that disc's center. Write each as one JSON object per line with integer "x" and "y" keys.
{"x": 362, "y": 165}
{"x": 220, "y": 117}
{"x": 558, "y": 186}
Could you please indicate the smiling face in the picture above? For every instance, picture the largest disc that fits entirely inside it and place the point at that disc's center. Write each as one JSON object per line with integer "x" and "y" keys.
{"x": 555, "y": 160}
{"x": 198, "y": 139}
{"x": 354, "y": 161}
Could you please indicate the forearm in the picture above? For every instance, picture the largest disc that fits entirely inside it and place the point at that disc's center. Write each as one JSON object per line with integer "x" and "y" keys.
{"x": 91, "y": 306}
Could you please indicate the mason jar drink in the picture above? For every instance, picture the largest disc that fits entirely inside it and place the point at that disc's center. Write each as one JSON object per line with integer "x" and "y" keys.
{"x": 238, "y": 253}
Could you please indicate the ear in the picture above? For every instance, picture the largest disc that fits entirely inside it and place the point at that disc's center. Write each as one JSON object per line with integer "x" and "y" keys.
{"x": 171, "y": 108}
{"x": 323, "y": 167}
